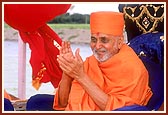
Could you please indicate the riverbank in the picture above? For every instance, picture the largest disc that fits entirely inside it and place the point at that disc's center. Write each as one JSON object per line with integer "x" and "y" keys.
{"x": 72, "y": 35}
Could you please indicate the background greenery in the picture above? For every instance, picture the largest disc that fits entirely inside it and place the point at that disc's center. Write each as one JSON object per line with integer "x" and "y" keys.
{"x": 67, "y": 21}
{"x": 69, "y": 26}
{"x": 75, "y": 18}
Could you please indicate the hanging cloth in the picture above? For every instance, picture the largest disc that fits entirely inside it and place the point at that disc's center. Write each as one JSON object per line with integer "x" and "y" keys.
{"x": 30, "y": 20}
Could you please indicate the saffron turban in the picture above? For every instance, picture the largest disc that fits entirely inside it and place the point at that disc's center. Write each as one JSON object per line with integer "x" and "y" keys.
{"x": 30, "y": 20}
{"x": 107, "y": 22}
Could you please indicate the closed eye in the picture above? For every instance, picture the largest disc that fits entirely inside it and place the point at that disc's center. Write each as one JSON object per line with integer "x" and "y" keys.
{"x": 93, "y": 39}
{"x": 104, "y": 40}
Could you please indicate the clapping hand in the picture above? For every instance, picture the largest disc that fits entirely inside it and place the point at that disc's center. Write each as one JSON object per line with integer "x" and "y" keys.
{"x": 72, "y": 65}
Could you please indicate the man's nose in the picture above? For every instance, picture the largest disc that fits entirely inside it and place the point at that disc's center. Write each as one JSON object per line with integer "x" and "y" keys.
{"x": 98, "y": 45}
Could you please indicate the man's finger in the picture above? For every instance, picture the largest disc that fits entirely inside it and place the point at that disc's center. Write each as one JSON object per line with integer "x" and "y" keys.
{"x": 78, "y": 55}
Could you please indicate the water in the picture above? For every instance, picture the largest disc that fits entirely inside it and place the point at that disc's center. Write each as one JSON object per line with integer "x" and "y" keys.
{"x": 10, "y": 69}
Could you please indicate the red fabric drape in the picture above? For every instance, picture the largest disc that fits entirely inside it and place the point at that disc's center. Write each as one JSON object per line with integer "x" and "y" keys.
{"x": 30, "y": 20}
{"x": 29, "y": 17}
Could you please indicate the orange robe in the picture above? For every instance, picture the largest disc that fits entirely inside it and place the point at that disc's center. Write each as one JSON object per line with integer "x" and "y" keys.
{"x": 123, "y": 77}
{"x": 6, "y": 95}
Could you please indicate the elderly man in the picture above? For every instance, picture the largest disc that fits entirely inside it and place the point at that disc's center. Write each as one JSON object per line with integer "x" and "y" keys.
{"x": 112, "y": 78}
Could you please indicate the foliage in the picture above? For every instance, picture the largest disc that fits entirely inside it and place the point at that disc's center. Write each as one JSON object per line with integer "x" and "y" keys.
{"x": 69, "y": 26}
{"x": 75, "y": 18}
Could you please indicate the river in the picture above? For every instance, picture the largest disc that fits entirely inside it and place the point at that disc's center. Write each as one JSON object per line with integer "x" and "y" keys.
{"x": 10, "y": 68}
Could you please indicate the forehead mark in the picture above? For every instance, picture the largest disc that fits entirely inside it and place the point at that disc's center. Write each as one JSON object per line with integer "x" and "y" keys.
{"x": 97, "y": 33}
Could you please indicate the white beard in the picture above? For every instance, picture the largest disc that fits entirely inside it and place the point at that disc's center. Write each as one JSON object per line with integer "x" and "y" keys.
{"x": 105, "y": 57}
{"x": 107, "y": 54}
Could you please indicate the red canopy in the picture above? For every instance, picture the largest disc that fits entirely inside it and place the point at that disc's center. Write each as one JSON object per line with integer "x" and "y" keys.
{"x": 30, "y": 20}
{"x": 29, "y": 17}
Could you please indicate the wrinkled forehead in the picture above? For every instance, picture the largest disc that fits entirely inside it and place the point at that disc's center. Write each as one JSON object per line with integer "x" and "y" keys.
{"x": 102, "y": 35}
{"x": 98, "y": 34}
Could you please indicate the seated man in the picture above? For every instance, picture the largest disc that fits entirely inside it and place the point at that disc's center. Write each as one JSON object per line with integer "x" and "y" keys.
{"x": 108, "y": 79}
{"x": 112, "y": 78}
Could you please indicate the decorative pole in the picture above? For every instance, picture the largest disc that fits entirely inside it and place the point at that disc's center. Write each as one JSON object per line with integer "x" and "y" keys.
{"x": 21, "y": 68}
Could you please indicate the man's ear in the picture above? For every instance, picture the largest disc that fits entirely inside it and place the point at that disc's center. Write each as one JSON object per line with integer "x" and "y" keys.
{"x": 120, "y": 42}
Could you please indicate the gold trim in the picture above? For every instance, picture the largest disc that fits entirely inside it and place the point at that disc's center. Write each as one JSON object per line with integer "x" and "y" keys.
{"x": 144, "y": 10}
{"x": 36, "y": 79}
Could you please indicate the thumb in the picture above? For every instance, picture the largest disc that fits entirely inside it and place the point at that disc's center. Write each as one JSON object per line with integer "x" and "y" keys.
{"x": 78, "y": 55}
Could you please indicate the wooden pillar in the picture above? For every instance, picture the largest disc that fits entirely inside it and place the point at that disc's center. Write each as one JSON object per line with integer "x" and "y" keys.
{"x": 21, "y": 68}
